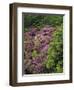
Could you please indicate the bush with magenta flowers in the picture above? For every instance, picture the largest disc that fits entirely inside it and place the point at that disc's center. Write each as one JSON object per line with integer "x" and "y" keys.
{"x": 43, "y": 44}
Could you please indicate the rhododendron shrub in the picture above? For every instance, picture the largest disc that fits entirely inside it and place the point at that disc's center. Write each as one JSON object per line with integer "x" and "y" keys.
{"x": 43, "y": 44}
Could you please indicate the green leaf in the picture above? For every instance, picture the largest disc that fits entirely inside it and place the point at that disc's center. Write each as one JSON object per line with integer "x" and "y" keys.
{"x": 34, "y": 53}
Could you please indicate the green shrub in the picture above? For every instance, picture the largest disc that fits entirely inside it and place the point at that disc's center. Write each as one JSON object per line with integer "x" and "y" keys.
{"x": 55, "y": 52}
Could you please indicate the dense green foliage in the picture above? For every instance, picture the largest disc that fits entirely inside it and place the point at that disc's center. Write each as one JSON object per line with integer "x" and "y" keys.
{"x": 55, "y": 52}
{"x": 41, "y": 20}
